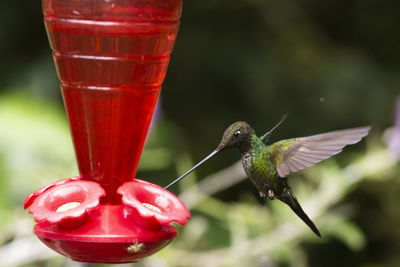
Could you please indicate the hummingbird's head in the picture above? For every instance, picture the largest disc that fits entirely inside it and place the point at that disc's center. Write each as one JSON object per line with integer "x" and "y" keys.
{"x": 237, "y": 135}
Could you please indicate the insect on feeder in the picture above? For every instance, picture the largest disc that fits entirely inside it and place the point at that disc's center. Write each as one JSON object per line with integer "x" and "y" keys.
{"x": 111, "y": 58}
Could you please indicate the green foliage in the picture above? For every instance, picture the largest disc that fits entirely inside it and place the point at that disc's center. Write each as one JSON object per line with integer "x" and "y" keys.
{"x": 35, "y": 146}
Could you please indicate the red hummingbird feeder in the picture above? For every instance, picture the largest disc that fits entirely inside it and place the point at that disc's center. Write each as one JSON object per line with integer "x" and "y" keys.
{"x": 111, "y": 57}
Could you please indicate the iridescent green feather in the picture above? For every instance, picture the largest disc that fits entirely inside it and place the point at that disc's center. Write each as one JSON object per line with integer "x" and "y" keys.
{"x": 278, "y": 149}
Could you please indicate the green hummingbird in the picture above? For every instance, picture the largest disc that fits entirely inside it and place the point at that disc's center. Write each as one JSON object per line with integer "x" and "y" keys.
{"x": 268, "y": 165}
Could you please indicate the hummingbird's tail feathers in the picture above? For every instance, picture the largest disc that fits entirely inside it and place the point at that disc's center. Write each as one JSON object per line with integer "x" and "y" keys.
{"x": 292, "y": 202}
{"x": 266, "y": 136}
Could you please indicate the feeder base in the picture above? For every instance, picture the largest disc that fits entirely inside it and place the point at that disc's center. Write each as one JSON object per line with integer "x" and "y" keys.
{"x": 107, "y": 237}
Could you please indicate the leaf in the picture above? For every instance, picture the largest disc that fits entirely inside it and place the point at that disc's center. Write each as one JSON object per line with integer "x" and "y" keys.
{"x": 348, "y": 232}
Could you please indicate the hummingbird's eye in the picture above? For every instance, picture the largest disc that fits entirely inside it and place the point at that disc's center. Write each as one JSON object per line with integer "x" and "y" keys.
{"x": 236, "y": 134}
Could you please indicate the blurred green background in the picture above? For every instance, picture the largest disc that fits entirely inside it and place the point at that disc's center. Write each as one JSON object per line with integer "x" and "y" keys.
{"x": 328, "y": 64}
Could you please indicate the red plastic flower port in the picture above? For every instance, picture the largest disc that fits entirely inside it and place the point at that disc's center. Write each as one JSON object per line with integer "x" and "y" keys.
{"x": 29, "y": 200}
{"x": 151, "y": 206}
{"x": 66, "y": 204}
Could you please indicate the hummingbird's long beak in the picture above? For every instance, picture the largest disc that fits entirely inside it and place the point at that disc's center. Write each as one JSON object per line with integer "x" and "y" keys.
{"x": 194, "y": 167}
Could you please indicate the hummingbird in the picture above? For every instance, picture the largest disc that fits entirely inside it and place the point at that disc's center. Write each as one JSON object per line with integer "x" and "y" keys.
{"x": 268, "y": 165}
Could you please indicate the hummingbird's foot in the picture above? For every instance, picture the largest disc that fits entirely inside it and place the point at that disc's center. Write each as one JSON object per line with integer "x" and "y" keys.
{"x": 271, "y": 194}
{"x": 262, "y": 194}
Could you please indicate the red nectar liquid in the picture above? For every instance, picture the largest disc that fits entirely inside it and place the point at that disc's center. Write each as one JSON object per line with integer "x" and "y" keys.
{"x": 111, "y": 57}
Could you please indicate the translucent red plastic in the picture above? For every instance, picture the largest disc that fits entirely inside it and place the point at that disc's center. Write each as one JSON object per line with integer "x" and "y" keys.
{"x": 93, "y": 232}
{"x": 32, "y": 197}
{"x": 83, "y": 195}
{"x": 151, "y": 206}
{"x": 111, "y": 58}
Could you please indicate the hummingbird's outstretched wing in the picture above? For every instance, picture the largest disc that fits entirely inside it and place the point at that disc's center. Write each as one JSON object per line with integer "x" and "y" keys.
{"x": 295, "y": 154}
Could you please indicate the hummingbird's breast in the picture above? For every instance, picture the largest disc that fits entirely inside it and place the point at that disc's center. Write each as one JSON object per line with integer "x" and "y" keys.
{"x": 260, "y": 169}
